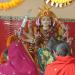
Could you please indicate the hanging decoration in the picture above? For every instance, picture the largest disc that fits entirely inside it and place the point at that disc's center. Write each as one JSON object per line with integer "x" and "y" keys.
{"x": 9, "y": 4}
{"x": 58, "y": 3}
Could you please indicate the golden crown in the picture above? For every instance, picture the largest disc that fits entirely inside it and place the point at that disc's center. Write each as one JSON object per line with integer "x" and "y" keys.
{"x": 46, "y": 11}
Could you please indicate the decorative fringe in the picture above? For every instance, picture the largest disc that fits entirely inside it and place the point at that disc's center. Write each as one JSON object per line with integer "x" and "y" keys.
{"x": 33, "y": 18}
{"x": 67, "y": 19}
{"x": 58, "y": 3}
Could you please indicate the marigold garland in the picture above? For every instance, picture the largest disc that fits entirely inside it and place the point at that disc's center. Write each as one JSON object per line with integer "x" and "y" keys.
{"x": 10, "y": 4}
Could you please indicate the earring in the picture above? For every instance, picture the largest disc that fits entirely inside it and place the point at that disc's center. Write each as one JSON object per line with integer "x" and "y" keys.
{"x": 38, "y": 22}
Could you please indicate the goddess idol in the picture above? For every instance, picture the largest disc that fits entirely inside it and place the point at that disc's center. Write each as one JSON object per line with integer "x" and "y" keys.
{"x": 42, "y": 36}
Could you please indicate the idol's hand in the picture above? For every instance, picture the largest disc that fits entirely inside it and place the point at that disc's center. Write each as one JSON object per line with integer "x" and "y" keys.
{"x": 69, "y": 40}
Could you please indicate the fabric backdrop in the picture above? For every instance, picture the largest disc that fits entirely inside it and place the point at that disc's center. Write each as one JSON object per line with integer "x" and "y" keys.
{"x": 6, "y": 30}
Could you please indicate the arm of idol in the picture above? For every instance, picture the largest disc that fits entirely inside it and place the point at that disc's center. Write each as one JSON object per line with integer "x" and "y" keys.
{"x": 30, "y": 24}
{"x": 54, "y": 23}
{"x": 38, "y": 27}
{"x": 58, "y": 22}
{"x": 38, "y": 22}
{"x": 37, "y": 34}
{"x": 69, "y": 39}
{"x": 65, "y": 29}
{"x": 30, "y": 37}
{"x": 23, "y": 25}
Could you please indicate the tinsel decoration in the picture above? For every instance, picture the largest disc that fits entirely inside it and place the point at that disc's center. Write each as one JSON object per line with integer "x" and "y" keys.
{"x": 58, "y": 3}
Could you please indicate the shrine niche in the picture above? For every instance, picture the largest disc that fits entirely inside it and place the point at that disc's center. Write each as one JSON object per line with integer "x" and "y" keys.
{"x": 39, "y": 35}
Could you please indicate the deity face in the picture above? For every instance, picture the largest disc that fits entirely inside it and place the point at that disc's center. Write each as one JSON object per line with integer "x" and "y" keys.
{"x": 46, "y": 21}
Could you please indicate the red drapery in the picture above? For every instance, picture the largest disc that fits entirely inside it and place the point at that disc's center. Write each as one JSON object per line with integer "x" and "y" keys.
{"x": 72, "y": 33}
{"x": 5, "y": 31}
{"x": 3, "y": 35}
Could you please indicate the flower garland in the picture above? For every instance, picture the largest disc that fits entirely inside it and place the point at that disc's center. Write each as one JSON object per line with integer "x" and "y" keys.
{"x": 58, "y": 3}
{"x": 10, "y": 4}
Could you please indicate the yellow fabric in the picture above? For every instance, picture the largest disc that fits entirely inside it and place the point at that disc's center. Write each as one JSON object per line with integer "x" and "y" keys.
{"x": 61, "y": 1}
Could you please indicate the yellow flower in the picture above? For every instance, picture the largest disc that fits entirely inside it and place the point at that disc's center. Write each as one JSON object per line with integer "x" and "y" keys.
{"x": 45, "y": 53}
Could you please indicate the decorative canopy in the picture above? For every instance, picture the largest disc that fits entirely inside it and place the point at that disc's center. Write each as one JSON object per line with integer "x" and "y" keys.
{"x": 58, "y": 3}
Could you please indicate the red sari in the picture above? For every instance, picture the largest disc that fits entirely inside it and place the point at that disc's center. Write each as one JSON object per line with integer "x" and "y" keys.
{"x": 62, "y": 66}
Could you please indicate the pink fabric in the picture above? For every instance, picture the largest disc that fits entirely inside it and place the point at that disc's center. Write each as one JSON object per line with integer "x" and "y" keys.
{"x": 6, "y": 30}
{"x": 19, "y": 62}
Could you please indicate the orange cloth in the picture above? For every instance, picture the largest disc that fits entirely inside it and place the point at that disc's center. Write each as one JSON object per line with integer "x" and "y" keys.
{"x": 2, "y": 59}
{"x": 62, "y": 66}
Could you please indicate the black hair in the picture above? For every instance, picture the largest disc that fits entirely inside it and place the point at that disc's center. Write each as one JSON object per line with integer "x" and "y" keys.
{"x": 52, "y": 43}
{"x": 63, "y": 49}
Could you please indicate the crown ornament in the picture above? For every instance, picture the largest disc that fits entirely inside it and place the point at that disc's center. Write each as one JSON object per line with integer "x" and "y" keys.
{"x": 46, "y": 11}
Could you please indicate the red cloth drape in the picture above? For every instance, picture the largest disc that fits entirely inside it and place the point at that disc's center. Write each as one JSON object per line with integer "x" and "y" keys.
{"x": 72, "y": 33}
{"x": 71, "y": 28}
{"x": 3, "y": 35}
{"x": 5, "y": 30}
